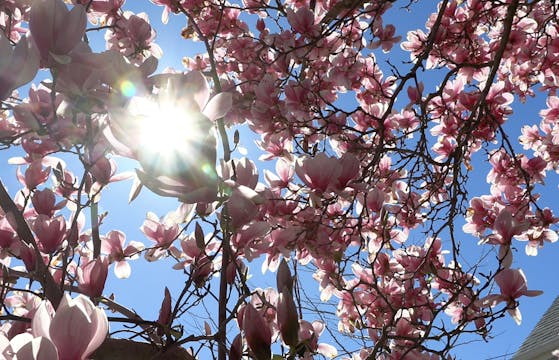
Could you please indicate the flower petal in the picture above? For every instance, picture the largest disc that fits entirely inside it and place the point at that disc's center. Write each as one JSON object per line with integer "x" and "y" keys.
{"x": 218, "y": 106}
{"x": 41, "y": 321}
{"x": 122, "y": 270}
{"x": 39, "y": 348}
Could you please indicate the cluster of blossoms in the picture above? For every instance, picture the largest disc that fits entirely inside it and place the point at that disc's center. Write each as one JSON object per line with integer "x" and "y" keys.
{"x": 73, "y": 331}
{"x": 355, "y": 181}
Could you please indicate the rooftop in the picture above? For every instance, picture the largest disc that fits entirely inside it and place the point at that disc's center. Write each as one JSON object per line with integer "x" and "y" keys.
{"x": 544, "y": 338}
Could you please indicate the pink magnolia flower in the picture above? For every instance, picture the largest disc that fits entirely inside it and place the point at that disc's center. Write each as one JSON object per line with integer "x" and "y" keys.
{"x": 18, "y": 65}
{"x": 244, "y": 171}
{"x": 50, "y": 232}
{"x": 508, "y": 226}
{"x": 242, "y": 208}
{"x": 92, "y": 275}
{"x": 284, "y": 171}
{"x": 386, "y": 38}
{"x": 191, "y": 177}
{"x": 513, "y": 285}
{"x": 104, "y": 171}
{"x": 161, "y": 231}
{"x": 202, "y": 267}
{"x": 287, "y": 318}
{"x": 236, "y": 350}
{"x": 39, "y": 111}
{"x": 84, "y": 75}
{"x": 25, "y": 346}
{"x": 77, "y": 328}
{"x": 165, "y": 310}
{"x": 375, "y": 199}
{"x": 414, "y": 44}
{"x": 302, "y": 21}
{"x": 309, "y": 333}
{"x": 44, "y": 202}
{"x": 34, "y": 175}
{"x": 22, "y": 304}
{"x": 350, "y": 167}
{"x": 319, "y": 172}
{"x": 7, "y": 233}
{"x": 26, "y": 253}
{"x": 257, "y": 333}
{"x": 195, "y": 254}
{"x": 133, "y": 36}
{"x": 113, "y": 245}
{"x": 55, "y": 29}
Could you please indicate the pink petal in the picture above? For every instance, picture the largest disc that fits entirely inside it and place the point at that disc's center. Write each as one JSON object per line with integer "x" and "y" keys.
{"x": 327, "y": 350}
{"x": 122, "y": 270}
{"x": 20, "y": 341}
{"x": 122, "y": 176}
{"x": 4, "y": 343}
{"x": 516, "y": 315}
{"x": 101, "y": 323}
{"x": 26, "y": 60}
{"x": 133, "y": 248}
{"x": 492, "y": 300}
{"x": 41, "y": 22}
{"x": 41, "y": 321}
{"x": 218, "y": 106}
{"x": 135, "y": 189}
{"x": 70, "y": 29}
{"x": 39, "y": 348}
{"x": 505, "y": 256}
{"x": 197, "y": 84}
{"x": 533, "y": 293}
{"x": 71, "y": 329}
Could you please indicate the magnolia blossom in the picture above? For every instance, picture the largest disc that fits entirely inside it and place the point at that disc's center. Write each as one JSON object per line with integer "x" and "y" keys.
{"x": 161, "y": 231}
{"x": 188, "y": 171}
{"x": 50, "y": 232}
{"x": 309, "y": 333}
{"x": 257, "y": 332}
{"x": 165, "y": 311}
{"x": 76, "y": 329}
{"x": 92, "y": 275}
{"x": 513, "y": 285}
{"x": 113, "y": 245}
{"x": 133, "y": 36}
{"x": 56, "y": 30}
{"x": 18, "y": 65}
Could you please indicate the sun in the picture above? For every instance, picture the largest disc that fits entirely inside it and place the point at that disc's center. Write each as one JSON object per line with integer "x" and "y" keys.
{"x": 165, "y": 128}
{"x": 167, "y": 133}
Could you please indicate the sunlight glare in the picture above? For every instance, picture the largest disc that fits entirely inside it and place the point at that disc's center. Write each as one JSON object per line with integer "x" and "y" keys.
{"x": 166, "y": 130}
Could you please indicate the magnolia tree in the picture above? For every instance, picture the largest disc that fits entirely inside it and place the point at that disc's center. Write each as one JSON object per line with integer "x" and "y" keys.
{"x": 361, "y": 179}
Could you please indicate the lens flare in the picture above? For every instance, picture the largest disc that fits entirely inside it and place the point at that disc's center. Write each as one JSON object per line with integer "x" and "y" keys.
{"x": 209, "y": 170}
{"x": 127, "y": 88}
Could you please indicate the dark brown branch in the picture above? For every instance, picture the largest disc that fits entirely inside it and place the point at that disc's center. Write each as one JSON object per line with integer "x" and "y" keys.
{"x": 123, "y": 349}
